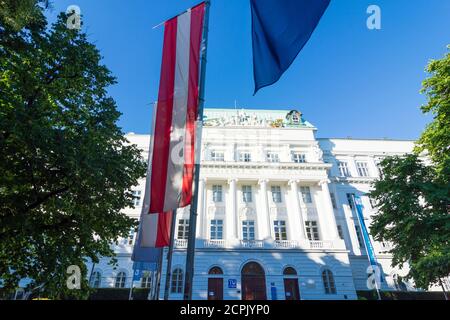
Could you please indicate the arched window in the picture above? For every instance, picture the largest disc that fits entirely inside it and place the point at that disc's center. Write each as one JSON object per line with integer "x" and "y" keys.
{"x": 289, "y": 271}
{"x": 96, "y": 279}
{"x": 328, "y": 282}
{"x": 215, "y": 270}
{"x": 146, "y": 280}
{"x": 120, "y": 280}
{"x": 177, "y": 281}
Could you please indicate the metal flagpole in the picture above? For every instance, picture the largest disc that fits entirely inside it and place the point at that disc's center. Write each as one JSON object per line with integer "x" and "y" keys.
{"x": 158, "y": 276}
{"x": 169, "y": 255}
{"x": 189, "y": 274}
{"x": 365, "y": 245}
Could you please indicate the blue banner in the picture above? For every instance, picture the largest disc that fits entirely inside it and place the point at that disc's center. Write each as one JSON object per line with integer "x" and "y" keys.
{"x": 365, "y": 233}
{"x": 139, "y": 267}
{"x": 280, "y": 30}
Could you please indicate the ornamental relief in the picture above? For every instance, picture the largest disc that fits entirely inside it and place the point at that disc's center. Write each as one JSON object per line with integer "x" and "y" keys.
{"x": 216, "y": 210}
{"x": 278, "y": 211}
{"x": 246, "y": 212}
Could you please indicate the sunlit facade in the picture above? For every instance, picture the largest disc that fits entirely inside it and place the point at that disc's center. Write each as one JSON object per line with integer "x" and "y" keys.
{"x": 275, "y": 217}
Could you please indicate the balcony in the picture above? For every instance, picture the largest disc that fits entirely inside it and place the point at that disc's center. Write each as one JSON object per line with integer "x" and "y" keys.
{"x": 263, "y": 244}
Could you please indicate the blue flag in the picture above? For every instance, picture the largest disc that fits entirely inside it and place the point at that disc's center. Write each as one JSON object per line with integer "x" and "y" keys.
{"x": 365, "y": 232}
{"x": 280, "y": 29}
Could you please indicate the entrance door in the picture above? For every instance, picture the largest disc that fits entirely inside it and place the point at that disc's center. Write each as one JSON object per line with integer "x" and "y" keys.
{"x": 291, "y": 289}
{"x": 253, "y": 282}
{"x": 215, "y": 289}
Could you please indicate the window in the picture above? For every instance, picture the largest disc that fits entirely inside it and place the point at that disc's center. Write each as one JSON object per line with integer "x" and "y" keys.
{"x": 216, "y": 230}
{"x": 248, "y": 230}
{"x": 245, "y": 157}
{"x": 373, "y": 202}
{"x": 280, "y": 230}
{"x": 247, "y": 193}
{"x": 340, "y": 232}
{"x": 215, "y": 270}
{"x": 177, "y": 281}
{"x": 217, "y": 156}
{"x": 299, "y": 157}
{"x": 363, "y": 171}
{"x": 120, "y": 280}
{"x": 130, "y": 239}
{"x": 359, "y": 236}
{"x": 306, "y": 194}
{"x": 328, "y": 282}
{"x": 273, "y": 157}
{"x": 95, "y": 280}
{"x": 343, "y": 169}
{"x": 350, "y": 197}
{"x": 276, "y": 194}
{"x": 312, "y": 231}
{"x": 183, "y": 229}
{"x": 136, "y": 198}
{"x": 217, "y": 193}
{"x": 146, "y": 280}
{"x": 289, "y": 271}
{"x": 333, "y": 200}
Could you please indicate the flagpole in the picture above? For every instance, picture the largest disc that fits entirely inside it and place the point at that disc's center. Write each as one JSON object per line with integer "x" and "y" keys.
{"x": 169, "y": 255}
{"x": 189, "y": 272}
{"x": 158, "y": 276}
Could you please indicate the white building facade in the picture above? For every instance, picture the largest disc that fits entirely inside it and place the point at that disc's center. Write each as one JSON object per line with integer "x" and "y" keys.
{"x": 275, "y": 216}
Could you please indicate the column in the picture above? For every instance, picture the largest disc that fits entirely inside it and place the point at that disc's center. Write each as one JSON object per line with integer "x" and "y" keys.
{"x": 327, "y": 218}
{"x": 231, "y": 214}
{"x": 296, "y": 219}
{"x": 202, "y": 221}
{"x": 263, "y": 215}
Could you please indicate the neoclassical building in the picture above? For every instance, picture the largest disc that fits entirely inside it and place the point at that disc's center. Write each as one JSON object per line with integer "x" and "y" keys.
{"x": 275, "y": 214}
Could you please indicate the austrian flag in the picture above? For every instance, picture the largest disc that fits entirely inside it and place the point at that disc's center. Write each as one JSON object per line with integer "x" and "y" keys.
{"x": 172, "y": 145}
{"x": 171, "y": 157}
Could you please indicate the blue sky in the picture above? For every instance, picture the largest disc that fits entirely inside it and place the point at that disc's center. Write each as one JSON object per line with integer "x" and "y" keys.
{"x": 347, "y": 81}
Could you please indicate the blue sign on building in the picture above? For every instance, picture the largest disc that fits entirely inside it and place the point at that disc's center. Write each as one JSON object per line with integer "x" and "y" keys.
{"x": 139, "y": 267}
{"x": 232, "y": 283}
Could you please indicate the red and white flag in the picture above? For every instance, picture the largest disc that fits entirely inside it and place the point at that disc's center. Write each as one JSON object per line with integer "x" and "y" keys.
{"x": 172, "y": 145}
{"x": 171, "y": 153}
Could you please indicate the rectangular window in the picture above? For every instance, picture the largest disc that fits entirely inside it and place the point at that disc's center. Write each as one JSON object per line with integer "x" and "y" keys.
{"x": 373, "y": 202}
{"x": 350, "y": 197}
{"x": 306, "y": 194}
{"x": 312, "y": 230}
{"x": 276, "y": 194}
{"x": 273, "y": 157}
{"x": 217, "y": 193}
{"x": 363, "y": 171}
{"x": 299, "y": 157}
{"x": 137, "y": 198}
{"x": 245, "y": 157}
{"x": 359, "y": 236}
{"x": 247, "y": 194}
{"x": 216, "y": 230}
{"x": 217, "y": 156}
{"x": 340, "y": 232}
{"x": 343, "y": 169}
{"x": 248, "y": 230}
{"x": 183, "y": 229}
{"x": 280, "y": 230}
{"x": 333, "y": 200}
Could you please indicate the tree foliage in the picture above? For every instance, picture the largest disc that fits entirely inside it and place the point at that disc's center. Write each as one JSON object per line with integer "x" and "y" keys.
{"x": 436, "y": 138}
{"x": 413, "y": 194}
{"x": 66, "y": 170}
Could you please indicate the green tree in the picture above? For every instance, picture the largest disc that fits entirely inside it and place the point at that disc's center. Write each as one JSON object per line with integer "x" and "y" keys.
{"x": 16, "y": 15}
{"x": 66, "y": 170}
{"x": 413, "y": 194}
